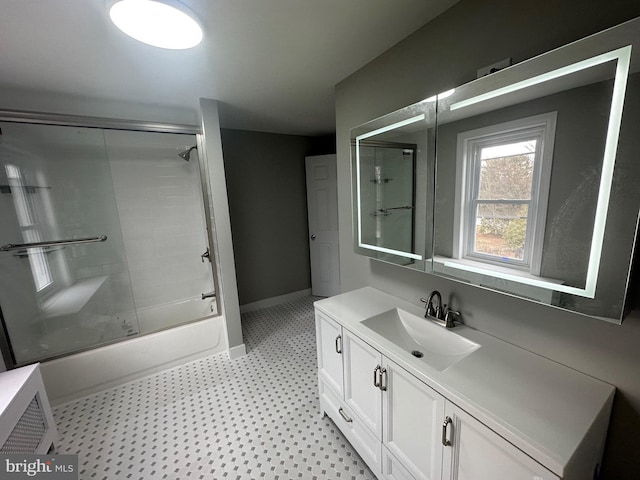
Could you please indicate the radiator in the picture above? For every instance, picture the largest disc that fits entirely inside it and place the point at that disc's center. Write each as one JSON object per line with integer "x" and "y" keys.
{"x": 26, "y": 421}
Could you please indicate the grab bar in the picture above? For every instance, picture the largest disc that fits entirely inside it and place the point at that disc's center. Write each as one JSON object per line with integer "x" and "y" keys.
{"x": 387, "y": 211}
{"x": 21, "y": 246}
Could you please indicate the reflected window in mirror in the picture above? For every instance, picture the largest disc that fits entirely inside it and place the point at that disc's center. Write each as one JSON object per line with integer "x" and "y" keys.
{"x": 502, "y": 188}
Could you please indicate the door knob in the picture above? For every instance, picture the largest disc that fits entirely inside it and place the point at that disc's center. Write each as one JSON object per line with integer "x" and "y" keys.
{"x": 313, "y": 237}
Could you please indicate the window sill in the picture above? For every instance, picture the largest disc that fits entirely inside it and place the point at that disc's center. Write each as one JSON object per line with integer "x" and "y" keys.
{"x": 493, "y": 270}
{"x": 494, "y": 276}
{"x": 71, "y": 300}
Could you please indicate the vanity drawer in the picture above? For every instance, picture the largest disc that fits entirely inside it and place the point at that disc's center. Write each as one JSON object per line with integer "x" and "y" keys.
{"x": 392, "y": 469}
{"x": 361, "y": 438}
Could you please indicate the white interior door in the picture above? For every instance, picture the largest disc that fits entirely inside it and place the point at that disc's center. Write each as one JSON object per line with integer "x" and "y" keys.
{"x": 322, "y": 205}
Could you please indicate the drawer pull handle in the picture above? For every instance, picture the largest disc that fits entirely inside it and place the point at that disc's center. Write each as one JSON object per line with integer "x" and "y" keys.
{"x": 377, "y": 377}
{"x": 344, "y": 415}
{"x": 339, "y": 344}
{"x": 445, "y": 441}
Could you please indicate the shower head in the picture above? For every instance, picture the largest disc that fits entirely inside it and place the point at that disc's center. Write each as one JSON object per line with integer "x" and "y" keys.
{"x": 187, "y": 153}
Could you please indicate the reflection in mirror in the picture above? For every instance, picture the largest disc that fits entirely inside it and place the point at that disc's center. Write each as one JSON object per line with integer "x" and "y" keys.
{"x": 387, "y": 196}
{"x": 390, "y": 158}
{"x": 527, "y": 197}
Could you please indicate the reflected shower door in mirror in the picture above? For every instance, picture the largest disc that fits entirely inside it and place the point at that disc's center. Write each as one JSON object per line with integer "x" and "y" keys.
{"x": 391, "y": 169}
{"x": 536, "y": 183}
{"x": 122, "y": 220}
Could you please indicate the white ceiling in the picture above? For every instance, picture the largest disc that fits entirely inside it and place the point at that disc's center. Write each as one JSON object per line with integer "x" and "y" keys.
{"x": 272, "y": 64}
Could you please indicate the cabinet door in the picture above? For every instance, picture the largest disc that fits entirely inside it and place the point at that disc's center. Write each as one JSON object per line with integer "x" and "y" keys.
{"x": 478, "y": 453}
{"x": 360, "y": 393}
{"x": 412, "y": 420}
{"x": 329, "y": 339}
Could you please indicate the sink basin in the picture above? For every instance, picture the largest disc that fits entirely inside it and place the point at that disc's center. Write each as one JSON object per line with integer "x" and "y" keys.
{"x": 431, "y": 343}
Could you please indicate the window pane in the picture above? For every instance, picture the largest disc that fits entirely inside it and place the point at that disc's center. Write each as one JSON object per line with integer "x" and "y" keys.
{"x": 501, "y": 230}
{"x": 506, "y": 171}
{"x": 38, "y": 261}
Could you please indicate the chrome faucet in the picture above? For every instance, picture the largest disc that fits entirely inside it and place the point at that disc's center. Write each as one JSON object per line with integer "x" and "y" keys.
{"x": 441, "y": 314}
{"x": 435, "y": 311}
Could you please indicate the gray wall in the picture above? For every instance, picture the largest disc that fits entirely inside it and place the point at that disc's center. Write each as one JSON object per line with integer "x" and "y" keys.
{"x": 268, "y": 207}
{"x": 443, "y": 54}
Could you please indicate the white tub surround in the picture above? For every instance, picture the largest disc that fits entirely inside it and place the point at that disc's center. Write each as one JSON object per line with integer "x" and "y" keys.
{"x": 74, "y": 376}
{"x": 555, "y": 415}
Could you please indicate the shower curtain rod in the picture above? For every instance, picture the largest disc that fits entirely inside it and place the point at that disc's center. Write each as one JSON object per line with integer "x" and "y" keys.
{"x": 22, "y": 246}
{"x": 24, "y": 116}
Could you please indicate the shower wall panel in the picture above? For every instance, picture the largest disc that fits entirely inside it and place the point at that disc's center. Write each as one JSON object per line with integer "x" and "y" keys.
{"x": 159, "y": 200}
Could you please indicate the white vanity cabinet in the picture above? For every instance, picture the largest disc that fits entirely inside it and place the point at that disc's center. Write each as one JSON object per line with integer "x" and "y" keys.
{"x": 347, "y": 394}
{"x": 478, "y": 453}
{"x": 362, "y": 370}
{"x": 412, "y": 415}
{"x": 329, "y": 340}
{"x": 395, "y": 421}
{"x": 501, "y": 413}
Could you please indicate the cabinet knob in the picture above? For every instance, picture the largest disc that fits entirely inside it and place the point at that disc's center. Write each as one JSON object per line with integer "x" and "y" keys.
{"x": 445, "y": 441}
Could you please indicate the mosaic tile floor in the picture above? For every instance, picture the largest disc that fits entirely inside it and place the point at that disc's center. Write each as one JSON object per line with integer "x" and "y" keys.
{"x": 252, "y": 418}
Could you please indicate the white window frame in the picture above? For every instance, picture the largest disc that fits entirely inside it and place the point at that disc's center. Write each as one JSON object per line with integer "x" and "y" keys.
{"x": 542, "y": 128}
{"x": 30, "y": 227}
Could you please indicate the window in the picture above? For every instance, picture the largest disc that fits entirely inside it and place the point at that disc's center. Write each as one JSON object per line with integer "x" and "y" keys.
{"x": 502, "y": 188}
{"x": 26, "y": 201}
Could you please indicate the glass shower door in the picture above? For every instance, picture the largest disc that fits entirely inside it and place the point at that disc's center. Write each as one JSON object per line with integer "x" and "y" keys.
{"x": 64, "y": 280}
{"x": 160, "y": 204}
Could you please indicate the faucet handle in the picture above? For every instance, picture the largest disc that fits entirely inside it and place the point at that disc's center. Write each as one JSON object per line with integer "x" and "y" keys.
{"x": 429, "y": 306}
{"x": 450, "y": 317}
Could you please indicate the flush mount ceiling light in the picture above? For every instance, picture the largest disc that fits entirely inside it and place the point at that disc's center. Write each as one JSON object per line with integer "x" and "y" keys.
{"x": 165, "y": 24}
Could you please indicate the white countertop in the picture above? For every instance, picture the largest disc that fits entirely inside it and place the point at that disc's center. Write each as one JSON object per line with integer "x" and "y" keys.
{"x": 542, "y": 407}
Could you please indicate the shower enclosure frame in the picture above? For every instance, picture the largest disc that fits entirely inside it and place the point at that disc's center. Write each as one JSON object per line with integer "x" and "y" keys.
{"x": 83, "y": 121}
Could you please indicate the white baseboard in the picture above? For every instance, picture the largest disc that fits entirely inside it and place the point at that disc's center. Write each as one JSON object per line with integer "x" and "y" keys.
{"x": 270, "y": 302}
{"x": 237, "y": 351}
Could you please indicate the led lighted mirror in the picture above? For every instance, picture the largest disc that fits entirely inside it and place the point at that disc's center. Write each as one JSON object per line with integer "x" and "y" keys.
{"x": 532, "y": 163}
{"x": 525, "y": 181}
{"x": 499, "y": 228}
